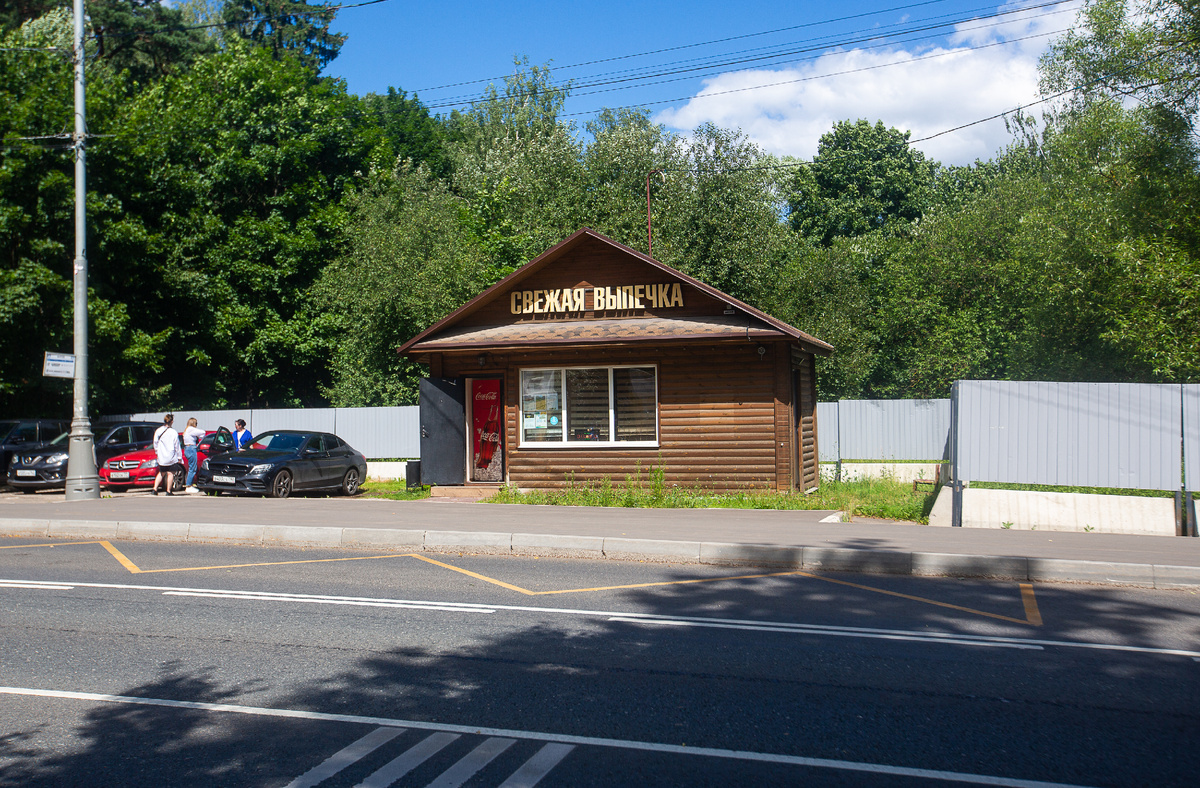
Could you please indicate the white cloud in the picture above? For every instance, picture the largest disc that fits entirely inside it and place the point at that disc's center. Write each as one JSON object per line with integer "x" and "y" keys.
{"x": 928, "y": 90}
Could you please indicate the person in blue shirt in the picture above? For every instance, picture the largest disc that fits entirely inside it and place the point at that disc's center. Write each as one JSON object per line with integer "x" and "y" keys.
{"x": 241, "y": 435}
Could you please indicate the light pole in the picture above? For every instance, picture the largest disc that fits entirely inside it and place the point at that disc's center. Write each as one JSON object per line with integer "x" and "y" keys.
{"x": 82, "y": 481}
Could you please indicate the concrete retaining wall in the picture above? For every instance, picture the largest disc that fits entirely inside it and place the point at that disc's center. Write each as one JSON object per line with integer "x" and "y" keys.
{"x": 386, "y": 471}
{"x": 1025, "y": 510}
{"x": 905, "y": 472}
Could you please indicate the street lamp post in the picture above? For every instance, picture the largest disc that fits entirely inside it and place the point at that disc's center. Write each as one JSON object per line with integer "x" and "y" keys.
{"x": 82, "y": 481}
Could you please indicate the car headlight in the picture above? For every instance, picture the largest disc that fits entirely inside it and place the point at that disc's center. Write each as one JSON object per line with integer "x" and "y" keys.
{"x": 264, "y": 468}
{"x": 54, "y": 459}
{"x": 107, "y": 464}
{"x": 204, "y": 465}
{"x": 151, "y": 463}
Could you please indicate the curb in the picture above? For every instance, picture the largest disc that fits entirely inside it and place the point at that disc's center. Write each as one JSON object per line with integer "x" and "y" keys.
{"x": 836, "y": 559}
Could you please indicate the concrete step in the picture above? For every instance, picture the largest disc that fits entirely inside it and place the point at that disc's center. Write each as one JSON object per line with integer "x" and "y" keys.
{"x": 472, "y": 493}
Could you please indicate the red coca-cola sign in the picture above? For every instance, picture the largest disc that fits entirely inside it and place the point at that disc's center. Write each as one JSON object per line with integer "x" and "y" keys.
{"x": 486, "y": 417}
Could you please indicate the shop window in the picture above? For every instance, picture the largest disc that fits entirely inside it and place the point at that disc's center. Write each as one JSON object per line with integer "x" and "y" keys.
{"x": 593, "y": 405}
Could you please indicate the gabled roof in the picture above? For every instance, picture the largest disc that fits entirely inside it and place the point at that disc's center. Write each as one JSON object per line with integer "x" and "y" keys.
{"x": 752, "y": 324}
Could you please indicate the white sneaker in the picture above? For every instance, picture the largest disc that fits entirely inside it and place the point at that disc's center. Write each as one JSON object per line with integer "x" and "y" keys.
{"x": 192, "y": 489}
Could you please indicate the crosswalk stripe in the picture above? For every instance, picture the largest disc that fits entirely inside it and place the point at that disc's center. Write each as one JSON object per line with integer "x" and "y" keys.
{"x": 537, "y": 767}
{"x": 413, "y": 757}
{"x": 352, "y": 753}
{"x": 471, "y": 763}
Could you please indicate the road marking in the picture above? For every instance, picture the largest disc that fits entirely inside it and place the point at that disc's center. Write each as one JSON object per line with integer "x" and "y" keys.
{"x": 325, "y": 601}
{"x": 46, "y": 586}
{"x": 584, "y": 612}
{"x": 344, "y": 757}
{"x": 134, "y": 569}
{"x": 470, "y": 764}
{"x": 413, "y": 757}
{"x": 800, "y": 629}
{"x": 1031, "y": 606}
{"x": 621, "y": 744}
{"x": 537, "y": 767}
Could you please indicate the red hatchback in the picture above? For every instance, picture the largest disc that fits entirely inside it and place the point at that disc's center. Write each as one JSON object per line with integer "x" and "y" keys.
{"x": 138, "y": 468}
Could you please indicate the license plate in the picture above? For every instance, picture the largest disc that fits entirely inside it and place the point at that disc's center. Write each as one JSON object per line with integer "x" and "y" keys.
{"x": 25, "y": 472}
{"x": 118, "y": 475}
{"x": 224, "y": 479}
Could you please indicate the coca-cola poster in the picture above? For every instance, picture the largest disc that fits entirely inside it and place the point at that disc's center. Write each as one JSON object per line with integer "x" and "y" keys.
{"x": 487, "y": 418}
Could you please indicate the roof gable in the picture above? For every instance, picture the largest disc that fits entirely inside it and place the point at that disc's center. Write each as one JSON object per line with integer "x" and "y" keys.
{"x": 589, "y": 285}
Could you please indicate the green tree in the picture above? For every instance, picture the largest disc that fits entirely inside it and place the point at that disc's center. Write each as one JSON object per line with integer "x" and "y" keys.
{"x": 287, "y": 27}
{"x": 409, "y": 261}
{"x": 863, "y": 178}
{"x": 144, "y": 37}
{"x": 411, "y": 130}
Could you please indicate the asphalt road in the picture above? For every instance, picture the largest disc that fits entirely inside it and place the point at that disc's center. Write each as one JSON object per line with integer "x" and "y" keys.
{"x": 169, "y": 664}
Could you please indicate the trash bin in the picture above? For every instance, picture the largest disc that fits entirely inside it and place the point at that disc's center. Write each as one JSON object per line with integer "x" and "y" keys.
{"x": 412, "y": 473}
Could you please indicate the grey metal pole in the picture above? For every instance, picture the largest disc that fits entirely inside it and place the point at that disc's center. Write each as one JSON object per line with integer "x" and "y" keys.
{"x": 82, "y": 481}
{"x": 956, "y": 485}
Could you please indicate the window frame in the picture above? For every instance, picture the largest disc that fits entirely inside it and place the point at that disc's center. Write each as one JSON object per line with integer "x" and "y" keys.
{"x": 566, "y": 442}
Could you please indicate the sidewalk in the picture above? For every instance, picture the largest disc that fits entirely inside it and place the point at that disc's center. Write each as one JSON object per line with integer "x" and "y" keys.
{"x": 737, "y": 537}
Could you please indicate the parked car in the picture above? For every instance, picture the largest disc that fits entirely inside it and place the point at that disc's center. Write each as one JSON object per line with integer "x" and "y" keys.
{"x": 18, "y": 435}
{"x": 42, "y": 466}
{"x": 279, "y": 462}
{"x": 138, "y": 468}
{"x": 122, "y": 438}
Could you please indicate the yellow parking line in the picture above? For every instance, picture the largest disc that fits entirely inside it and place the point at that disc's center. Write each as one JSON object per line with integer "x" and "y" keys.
{"x": 477, "y": 576}
{"x": 664, "y": 583}
{"x": 1031, "y": 606}
{"x": 125, "y": 562}
{"x": 52, "y": 544}
{"x": 279, "y": 563}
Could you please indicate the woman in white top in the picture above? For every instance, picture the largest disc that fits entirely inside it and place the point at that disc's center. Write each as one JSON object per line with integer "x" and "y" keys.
{"x": 192, "y": 435}
{"x": 169, "y": 456}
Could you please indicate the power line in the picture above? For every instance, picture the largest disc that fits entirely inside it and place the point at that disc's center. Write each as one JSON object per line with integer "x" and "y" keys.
{"x": 457, "y": 101}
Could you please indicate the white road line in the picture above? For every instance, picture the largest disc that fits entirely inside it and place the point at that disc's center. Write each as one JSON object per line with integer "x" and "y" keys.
{"x": 311, "y": 601}
{"x": 42, "y": 586}
{"x": 787, "y": 626}
{"x": 346, "y": 756}
{"x": 470, "y": 764}
{"x": 410, "y": 759}
{"x": 805, "y": 631}
{"x": 673, "y": 749}
{"x": 537, "y": 767}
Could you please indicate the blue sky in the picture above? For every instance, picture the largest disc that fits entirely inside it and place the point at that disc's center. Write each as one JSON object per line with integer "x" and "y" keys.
{"x": 783, "y": 87}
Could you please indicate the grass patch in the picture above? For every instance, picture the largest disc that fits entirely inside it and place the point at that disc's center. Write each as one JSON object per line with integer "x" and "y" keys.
{"x": 393, "y": 489}
{"x": 1061, "y": 489}
{"x": 883, "y": 498}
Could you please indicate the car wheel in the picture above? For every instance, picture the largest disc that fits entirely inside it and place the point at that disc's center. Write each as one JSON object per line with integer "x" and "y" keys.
{"x": 282, "y": 486}
{"x": 350, "y": 482}
{"x": 177, "y": 482}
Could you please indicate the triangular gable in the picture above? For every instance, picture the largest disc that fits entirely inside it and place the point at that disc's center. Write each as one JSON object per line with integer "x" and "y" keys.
{"x": 553, "y": 300}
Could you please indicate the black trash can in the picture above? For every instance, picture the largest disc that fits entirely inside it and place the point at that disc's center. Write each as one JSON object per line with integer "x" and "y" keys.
{"x": 412, "y": 473}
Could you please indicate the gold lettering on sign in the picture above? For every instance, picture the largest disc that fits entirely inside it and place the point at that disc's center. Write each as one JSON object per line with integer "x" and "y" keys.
{"x": 604, "y": 299}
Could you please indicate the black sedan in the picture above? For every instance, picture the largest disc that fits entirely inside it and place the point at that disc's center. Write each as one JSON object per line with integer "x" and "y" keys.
{"x": 40, "y": 467}
{"x": 279, "y": 462}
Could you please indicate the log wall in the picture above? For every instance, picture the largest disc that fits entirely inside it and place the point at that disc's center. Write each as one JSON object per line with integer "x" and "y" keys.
{"x": 725, "y": 417}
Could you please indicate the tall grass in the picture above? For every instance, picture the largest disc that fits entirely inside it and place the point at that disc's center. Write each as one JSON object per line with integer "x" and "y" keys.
{"x": 882, "y": 498}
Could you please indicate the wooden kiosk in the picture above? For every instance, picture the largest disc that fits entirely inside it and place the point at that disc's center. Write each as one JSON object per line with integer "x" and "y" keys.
{"x": 594, "y": 360}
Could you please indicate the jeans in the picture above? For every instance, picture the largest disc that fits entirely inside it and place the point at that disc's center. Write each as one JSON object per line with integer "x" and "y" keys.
{"x": 190, "y": 453}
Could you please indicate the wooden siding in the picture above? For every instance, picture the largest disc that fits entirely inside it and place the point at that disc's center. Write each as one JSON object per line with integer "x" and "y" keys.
{"x": 592, "y": 264}
{"x": 806, "y": 427}
{"x": 724, "y": 417}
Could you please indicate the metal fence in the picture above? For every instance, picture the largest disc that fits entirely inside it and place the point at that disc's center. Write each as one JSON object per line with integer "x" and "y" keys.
{"x": 386, "y": 432}
{"x": 1123, "y": 435}
{"x": 883, "y": 430}
{"x": 1191, "y": 436}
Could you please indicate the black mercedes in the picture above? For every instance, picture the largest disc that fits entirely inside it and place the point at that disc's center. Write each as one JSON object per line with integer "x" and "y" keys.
{"x": 280, "y": 462}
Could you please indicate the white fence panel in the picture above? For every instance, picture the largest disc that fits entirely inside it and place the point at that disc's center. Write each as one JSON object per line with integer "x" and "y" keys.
{"x": 1123, "y": 435}
{"x": 883, "y": 430}
{"x": 1191, "y": 436}
{"x": 393, "y": 433}
{"x": 316, "y": 419}
{"x": 827, "y": 432}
